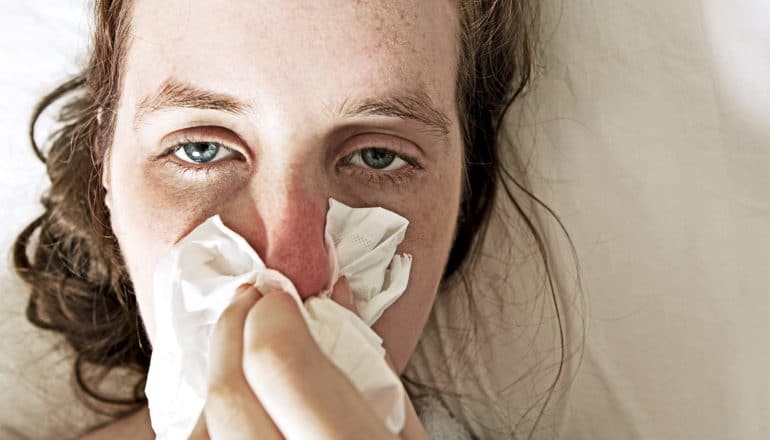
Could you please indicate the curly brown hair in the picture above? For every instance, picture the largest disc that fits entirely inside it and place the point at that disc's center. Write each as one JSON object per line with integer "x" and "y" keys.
{"x": 79, "y": 283}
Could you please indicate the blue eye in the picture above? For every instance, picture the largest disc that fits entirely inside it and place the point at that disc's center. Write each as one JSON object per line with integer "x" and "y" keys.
{"x": 202, "y": 152}
{"x": 377, "y": 158}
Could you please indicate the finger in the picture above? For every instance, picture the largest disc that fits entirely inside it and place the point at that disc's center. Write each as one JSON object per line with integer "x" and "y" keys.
{"x": 413, "y": 429}
{"x": 342, "y": 294}
{"x": 304, "y": 393}
{"x": 232, "y": 411}
{"x": 200, "y": 432}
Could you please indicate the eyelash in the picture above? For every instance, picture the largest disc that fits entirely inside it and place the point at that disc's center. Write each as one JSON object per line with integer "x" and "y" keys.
{"x": 397, "y": 179}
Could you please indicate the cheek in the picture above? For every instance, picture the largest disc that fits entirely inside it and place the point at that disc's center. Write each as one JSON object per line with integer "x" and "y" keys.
{"x": 150, "y": 212}
{"x": 428, "y": 240}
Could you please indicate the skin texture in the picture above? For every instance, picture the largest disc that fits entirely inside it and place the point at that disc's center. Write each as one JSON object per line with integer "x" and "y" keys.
{"x": 291, "y": 65}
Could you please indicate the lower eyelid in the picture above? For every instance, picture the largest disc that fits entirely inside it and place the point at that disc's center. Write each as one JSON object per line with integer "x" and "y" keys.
{"x": 221, "y": 171}
{"x": 400, "y": 178}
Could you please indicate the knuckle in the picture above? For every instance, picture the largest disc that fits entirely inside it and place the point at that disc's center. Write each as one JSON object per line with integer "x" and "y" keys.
{"x": 282, "y": 354}
{"x": 221, "y": 391}
{"x": 222, "y": 399}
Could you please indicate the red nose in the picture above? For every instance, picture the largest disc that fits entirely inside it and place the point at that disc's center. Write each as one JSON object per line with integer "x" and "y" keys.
{"x": 294, "y": 245}
{"x": 286, "y": 228}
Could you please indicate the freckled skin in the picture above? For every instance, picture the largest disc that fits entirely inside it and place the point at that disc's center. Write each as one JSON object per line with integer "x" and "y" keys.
{"x": 290, "y": 61}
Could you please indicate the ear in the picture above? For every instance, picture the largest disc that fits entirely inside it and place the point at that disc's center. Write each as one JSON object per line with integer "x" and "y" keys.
{"x": 105, "y": 163}
{"x": 106, "y": 180}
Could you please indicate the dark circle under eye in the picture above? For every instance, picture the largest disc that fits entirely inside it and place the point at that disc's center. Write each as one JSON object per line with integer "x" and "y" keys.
{"x": 377, "y": 158}
{"x": 201, "y": 152}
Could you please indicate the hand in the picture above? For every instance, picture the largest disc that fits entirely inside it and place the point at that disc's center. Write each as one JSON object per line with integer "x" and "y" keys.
{"x": 269, "y": 379}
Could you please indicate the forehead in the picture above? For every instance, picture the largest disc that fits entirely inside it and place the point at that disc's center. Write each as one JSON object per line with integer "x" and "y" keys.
{"x": 283, "y": 55}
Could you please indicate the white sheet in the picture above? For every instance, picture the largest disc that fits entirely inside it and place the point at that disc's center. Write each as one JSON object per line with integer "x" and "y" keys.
{"x": 652, "y": 141}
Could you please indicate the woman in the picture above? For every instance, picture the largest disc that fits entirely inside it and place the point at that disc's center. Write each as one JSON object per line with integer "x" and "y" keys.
{"x": 260, "y": 111}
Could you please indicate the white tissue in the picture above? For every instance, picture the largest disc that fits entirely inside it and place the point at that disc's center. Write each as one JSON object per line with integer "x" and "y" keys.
{"x": 196, "y": 280}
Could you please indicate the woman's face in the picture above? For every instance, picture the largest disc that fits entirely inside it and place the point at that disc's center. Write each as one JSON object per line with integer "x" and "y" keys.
{"x": 261, "y": 110}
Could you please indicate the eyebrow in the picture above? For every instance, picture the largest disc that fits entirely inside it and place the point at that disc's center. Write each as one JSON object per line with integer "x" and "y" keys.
{"x": 176, "y": 94}
{"x": 414, "y": 105}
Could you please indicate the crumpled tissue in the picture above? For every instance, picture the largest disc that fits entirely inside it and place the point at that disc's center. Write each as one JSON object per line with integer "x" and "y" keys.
{"x": 197, "y": 279}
